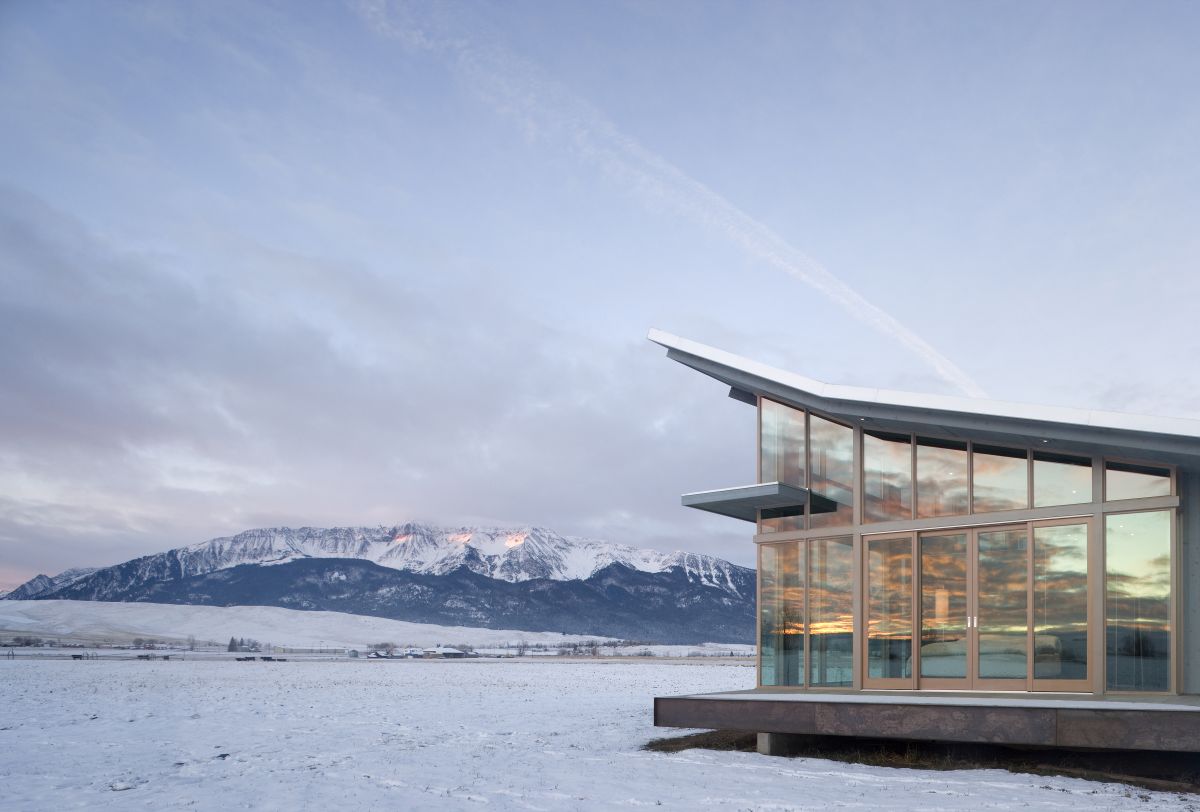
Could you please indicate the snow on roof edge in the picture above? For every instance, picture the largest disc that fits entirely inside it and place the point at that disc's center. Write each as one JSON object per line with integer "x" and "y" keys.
{"x": 1115, "y": 421}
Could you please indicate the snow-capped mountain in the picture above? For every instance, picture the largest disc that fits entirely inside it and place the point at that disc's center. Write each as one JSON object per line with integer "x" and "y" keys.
{"x": 530, "y": 578}
{"x": 505, "y": 554}
{"x": 40, "y": 585}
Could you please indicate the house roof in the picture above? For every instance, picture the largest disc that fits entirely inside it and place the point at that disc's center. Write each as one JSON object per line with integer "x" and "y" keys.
{"x": 1171, "y": 439}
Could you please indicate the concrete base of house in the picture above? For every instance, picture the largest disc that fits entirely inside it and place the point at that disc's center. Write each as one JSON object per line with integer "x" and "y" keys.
{"x": 784, "y": 720}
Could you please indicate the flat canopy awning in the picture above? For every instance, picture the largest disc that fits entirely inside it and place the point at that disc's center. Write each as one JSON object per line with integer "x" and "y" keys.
{"x": 744, "y": 502}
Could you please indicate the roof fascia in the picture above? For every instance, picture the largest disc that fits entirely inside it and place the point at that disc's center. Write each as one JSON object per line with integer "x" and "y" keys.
{"x": 1105, "y": 430}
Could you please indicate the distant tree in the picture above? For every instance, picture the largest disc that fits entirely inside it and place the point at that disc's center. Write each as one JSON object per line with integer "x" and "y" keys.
{"x": 191, "y": 642}
{"x": 233, "y": 644}
{"x": 522, "y": 647}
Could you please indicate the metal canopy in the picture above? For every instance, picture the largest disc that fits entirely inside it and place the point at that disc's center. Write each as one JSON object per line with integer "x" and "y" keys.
{"x": 744, "y": 502}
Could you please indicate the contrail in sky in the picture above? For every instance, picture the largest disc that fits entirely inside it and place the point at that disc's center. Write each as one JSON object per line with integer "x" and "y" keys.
{"x": 545, "y": 108}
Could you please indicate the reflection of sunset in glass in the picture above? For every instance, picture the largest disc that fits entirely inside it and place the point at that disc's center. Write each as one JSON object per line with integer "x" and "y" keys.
{"x": 781, "y": 614}
{"x": 1060, "y": 601}
{"x": 1138, "y": 601}
{"x": 1000, "y": 478}
{"x": 992, "y": 606}
{"x": 831, "y": 611}
{"x": 889, "y": 607}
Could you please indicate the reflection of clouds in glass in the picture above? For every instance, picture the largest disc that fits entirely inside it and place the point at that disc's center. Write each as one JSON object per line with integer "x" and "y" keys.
{"x": 1061, "y": 482}
{"x": 831, "y": 611}
{"x": 941, "y": 480}
{"x": 781, "y": 611}
{"x": 887, "y": 477}
{"x": 1000, "y": 482}
{"x": 1122, "y": 481}
{"x": 1137, "y": 603}
{"x": 1003, "y": 590}
{"x": 781, "y": 456}
{"x": 831, "y": 470}
{"x": 1060, "y": 601}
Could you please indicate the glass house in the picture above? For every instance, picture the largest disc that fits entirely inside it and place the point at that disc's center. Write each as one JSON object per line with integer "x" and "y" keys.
{"x": 959, "y": 548}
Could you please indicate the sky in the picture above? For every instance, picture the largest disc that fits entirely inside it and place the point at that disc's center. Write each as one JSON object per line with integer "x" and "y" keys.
{"x": 361, "y": 263}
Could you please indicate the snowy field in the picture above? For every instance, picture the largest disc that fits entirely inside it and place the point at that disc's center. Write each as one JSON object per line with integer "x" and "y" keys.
{"x": 96, "y": 621}
{"x": 432, "y": 735}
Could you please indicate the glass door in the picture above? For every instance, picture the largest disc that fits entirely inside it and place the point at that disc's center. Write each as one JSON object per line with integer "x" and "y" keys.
{"x": 889, "y": 580}
{"x": 1001, "y": 621}
{"x": 947, "y": 642}
{"x": 974, "y": 610}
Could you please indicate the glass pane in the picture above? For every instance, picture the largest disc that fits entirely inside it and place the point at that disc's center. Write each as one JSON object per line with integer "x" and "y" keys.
{"x": 781, "y": 435}
{"x": 1001, "y": 478}
{"x": 1061, "y": 480}
{"x": 1003, "y": 604}
{"x": 831, "y": 612}
{"x": 887, "y": 477}
{"x": 781, "y": 459}
{"x": 1060, "y": 602}
{"x": 1138, "y": 601}
{"x": 782, "y": 608}
{"x": 941, "y": 478}
{"x": 779, "y": 520}
{"x": 1125, "y": 481}
{"x": 944, "y": 606}
{"x": 889, "y": 608}
{"x": 831, "y": 470}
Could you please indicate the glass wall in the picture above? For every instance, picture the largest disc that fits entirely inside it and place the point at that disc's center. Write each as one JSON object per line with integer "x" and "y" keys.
{"x": 831, "y": 612}
{"x": 1059, "y": 479}
{"x": 941, "y": 478}
{"x": 1003, "y": 604}
{"x": 1000, "y": 478}
{"x": 831, "y": 473}
{"x": 944, "y": 565}
{"x": 887, "y": 476}
{"x": 781, "y": 610}
{"x": 889, "y": 619}
{"x": 1060, "y": 618}
{"x": 1137, "y": 552}
{"x": 781, "y": 458}
{"x": 781, "y": 439}
{"x": 985, "y": 606}
{"x": 1125, "y": 481}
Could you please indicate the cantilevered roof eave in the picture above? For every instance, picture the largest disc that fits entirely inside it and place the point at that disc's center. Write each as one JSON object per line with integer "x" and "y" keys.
{"x": 1179, "y": 436}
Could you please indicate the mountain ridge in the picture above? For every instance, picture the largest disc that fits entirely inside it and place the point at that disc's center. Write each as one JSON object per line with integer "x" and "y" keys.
{"x": 527, "y": 578}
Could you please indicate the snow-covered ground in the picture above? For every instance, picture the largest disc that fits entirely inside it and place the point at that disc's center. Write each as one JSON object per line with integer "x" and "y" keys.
{"x": 95, "y": 622}
{"x": 538, "y": 735}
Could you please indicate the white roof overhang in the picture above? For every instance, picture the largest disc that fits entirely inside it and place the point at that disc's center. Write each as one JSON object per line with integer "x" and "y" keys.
{"x": 1166, "y": 439}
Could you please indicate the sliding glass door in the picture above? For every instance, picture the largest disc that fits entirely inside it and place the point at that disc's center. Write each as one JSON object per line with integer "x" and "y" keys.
{"x": 996, "y": 608}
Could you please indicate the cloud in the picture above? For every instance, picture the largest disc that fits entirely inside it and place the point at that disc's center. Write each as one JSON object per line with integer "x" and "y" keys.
{"x": 547, "y": 110}
{"x": 146, "y": 408}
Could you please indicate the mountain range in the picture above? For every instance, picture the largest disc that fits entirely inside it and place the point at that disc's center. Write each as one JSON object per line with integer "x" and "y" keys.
{"x": 528, "y": 579}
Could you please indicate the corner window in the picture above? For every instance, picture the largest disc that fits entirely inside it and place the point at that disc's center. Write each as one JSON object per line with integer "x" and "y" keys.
{"x": 831, "y": 473}
{"x": 781, "y": 444}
